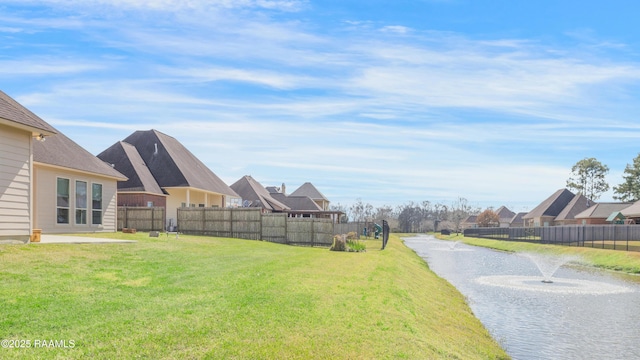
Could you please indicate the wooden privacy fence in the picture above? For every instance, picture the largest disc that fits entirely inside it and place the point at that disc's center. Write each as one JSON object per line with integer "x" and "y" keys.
{"x": 251, "y": 224}
{"x": 616, "y": 237}
{"x": 141, "y": 218}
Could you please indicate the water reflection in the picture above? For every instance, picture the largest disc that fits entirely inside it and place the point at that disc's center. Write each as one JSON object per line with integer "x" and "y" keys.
{"x": 583, "y": 314}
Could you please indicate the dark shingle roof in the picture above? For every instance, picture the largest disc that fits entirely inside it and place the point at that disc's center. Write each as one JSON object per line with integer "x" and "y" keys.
{"x": 307, "y": 189}
{"x": 518, "y": 218}
{"x": 251, "y": 190}
{"x": 127, "y": 160}
{"x": 11, "y": 110}
{"x": 552, "y": 206}
{"x": 298, "y": 203}
{"x": 504, "y": 213}
{"x": 578, "y": 204}
{"x": 172, "y": 165}
{"x": 59, "y": 150}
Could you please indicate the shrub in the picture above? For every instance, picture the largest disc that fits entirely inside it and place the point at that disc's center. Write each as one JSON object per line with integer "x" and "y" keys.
{"x": 356, "y": 246}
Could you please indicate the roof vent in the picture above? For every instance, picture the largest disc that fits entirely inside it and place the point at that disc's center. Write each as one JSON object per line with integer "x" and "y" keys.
{"x": 155, "y": 152}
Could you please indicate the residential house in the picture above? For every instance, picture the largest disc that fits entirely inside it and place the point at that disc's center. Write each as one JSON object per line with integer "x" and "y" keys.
{"x": 471, "y": 222}
{"x": 632, "y": 212}
{"x": 517, "y": 220}
{"x": 253, "y": 194}
{"x": 505, "y": 216}
{"x": 19, "y": 129}
{"x": 578, "y": 204}
{"x": 51, "y": 184}
{"x": 74, "y": 190}
{"x": 598, "y": 213}
{"x": 306, "y": 201}
{"x": 307, "y": 189}
{"x": 545, "y": 213}
{"x": 182, "y": 177}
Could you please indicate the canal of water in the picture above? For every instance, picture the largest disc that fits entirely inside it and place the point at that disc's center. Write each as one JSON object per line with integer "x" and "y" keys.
{"x": 583, "y": 313}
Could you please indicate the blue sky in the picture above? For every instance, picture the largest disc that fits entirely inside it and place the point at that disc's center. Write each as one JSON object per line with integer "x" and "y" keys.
{"x": 385, "y": 101}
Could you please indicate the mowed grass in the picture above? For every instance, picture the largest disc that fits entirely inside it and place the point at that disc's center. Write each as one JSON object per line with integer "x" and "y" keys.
{"x": 218, "y": 298}
{"x": 618, "y": 260}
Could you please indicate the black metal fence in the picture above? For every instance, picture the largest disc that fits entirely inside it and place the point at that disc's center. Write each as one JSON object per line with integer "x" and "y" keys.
{"x": 615, "y": 237}
{"x": 385, "y": 233}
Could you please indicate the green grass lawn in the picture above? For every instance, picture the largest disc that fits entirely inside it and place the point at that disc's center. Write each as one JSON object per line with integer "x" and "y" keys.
{"x": 618, "y": 260}
{"x": 201, "y": 297}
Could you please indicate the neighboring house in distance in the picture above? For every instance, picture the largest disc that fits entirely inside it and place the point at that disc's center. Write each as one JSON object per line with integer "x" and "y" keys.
{"x": 598, "y": 213}
{"x": 185, "y": 180}
{"x": 19, "y": 129}
{"x": 567, "y": 216}
{"x": 505, "y": 216}
{"x": 632, "y": 212}
{"x": 517, "y": 220}
{"x": 74, "y": 190}
{"x": 142, "y": 189}
{"x": 307, "y": 189}
{"x": 545, "y": 213}
{"x": 306, "y": 201}
{"x": 253, "y": 194}
{"x": 471, "y": 222}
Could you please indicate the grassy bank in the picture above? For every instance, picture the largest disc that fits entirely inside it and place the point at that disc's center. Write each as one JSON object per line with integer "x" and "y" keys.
{"x": 200, "y": 297}
{"x": 625, "y": 261}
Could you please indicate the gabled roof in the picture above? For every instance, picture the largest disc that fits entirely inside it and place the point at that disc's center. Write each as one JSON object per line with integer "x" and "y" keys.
{"x": 172, "y": 165}
{"x": 616, "y": 215}
{"x": 578, "y": 204}
{"x": 518, "y": 218}
{"x": 251, "y": 190}
{"x": 298, "y": 203}
{"x": 59, "y": 150}
{"x": 307, "y": 189}
{"x": 552, "y": 206}
{"x": 471, "y": 219}
{"x": 127, "y": 160}
{"x": 20, "y": 116}
{"x": 602, "y": 210}
{"x": 504, "y": 213}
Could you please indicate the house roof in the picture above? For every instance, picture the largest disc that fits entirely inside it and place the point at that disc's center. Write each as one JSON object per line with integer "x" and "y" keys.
{"x": 518, "y": 218}
{"x": 12, "y": 111}
{"x": 172, "y": 165}
{"x": 578, "y": 204}
{"x": 632, "y": 211}
{"x": 251, "y": 190}
{"x": 471, "y": 219}
{"x": 61, "y": 151}
{"x": 552, "y": 206}
{"x": 127, "y": 160}
{"x": 504, "y": 213}
{"x": 602, "y": 210}
{"x": 298, "y": 203}
{"x": 307, "y": 189}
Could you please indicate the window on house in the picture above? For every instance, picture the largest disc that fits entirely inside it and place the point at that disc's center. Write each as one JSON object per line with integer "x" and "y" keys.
{"x": 81, "y": 202}
{"x": 96, "y": 204}
{"x": 62, "y": 202}
{"x": 149, "y": 203}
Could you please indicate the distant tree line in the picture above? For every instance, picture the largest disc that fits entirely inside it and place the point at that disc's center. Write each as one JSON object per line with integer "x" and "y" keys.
{"x": 411, "y": 217}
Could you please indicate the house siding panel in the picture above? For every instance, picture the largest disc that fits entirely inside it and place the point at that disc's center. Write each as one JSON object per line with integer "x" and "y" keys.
{"x": 15, "y": 178}
{"x": 45, "y": 194}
